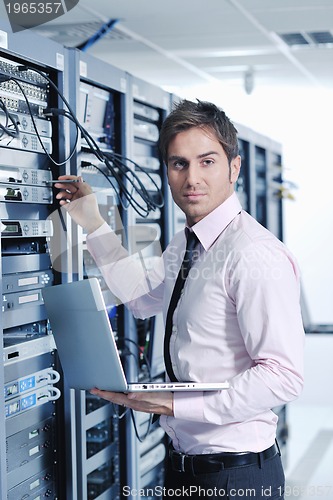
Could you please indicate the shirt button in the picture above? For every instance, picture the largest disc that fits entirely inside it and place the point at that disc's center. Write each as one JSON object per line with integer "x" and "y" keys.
{"x": 174, "y": 329}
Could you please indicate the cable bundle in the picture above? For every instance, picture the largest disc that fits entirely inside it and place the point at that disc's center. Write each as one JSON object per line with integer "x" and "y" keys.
{"x": 9, "y": 123}
{"x": 123, "y": 178}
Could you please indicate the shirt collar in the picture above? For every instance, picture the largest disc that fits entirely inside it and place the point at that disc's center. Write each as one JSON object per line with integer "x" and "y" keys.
{"x": 211, "y": 226}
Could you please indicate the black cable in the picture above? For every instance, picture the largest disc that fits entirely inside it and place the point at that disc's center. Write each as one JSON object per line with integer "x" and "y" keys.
{"x": 53, "y": 85}
{"x": 116, "y": 411}
{"x": 5, "y": 110}
{"x": 37, "y": 133}
{"x": 126, "y": 339}
{"x": 142, "y": 191}
{"x": 121, "y": 415}
{"x": 9, "y": 117}
{"x": 139, "y": 209}
{"x": 105, "y": 157}
{"x": 138, "y": 436}
{"x": 87, "y": 164}
{"x": 93, "y": 146}
{"x": 137, "y": 166}
{"x": 62, "y": 97}
{"x": 143, "y": 211}
{"x": 141, "y": 438}
{"x": 101, "y": 157}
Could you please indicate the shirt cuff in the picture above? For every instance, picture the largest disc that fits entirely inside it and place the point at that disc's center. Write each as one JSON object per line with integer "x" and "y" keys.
{"x": 104, "y": 228}
{"x": 188, "y": 405}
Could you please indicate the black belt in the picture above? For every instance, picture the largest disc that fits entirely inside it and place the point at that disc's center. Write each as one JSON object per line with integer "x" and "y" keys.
{"x": 198, "y": 464}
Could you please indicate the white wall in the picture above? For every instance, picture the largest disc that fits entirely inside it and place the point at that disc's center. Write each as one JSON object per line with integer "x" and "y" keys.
{"x": 301, "y": 119}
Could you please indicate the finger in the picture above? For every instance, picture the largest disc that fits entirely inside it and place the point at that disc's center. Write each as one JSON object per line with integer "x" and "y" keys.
{"x": 64, "y": 195}
{"x": 69, "y": 178}
{"x": 118, "y": 398}
{"x": 70, "y": 188}
{"x": 68, "y": 192}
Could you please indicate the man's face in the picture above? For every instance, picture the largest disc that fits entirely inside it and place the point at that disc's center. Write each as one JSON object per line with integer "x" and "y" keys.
{"x": 198, "y": 173}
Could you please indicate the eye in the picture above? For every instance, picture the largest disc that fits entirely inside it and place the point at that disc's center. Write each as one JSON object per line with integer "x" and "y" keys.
{"x": 207, "y": 162}
{"x": 178, "y": 164}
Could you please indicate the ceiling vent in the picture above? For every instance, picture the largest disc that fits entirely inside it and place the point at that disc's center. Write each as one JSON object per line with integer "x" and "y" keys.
{"x": 292, "y": 39}
{"x": 321, "y": 37}
{"x": 312, "y": 38}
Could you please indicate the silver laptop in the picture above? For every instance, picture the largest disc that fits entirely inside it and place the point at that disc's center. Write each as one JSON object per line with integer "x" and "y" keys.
{"x": 86, "y": 346}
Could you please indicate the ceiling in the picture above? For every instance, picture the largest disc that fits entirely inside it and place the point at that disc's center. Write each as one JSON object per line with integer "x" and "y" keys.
{"x": 181, "y": 43}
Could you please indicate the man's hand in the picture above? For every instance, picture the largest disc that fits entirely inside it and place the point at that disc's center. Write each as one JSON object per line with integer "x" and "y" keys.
{"x": 80, "y": 202}
{"x": 160, "y": 403}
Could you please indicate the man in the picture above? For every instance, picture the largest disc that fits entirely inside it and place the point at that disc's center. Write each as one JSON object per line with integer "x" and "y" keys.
{"x": 238, "y": 318}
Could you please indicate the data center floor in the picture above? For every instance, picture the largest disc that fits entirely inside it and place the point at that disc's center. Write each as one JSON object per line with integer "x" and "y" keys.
{"x": 309, "y": 454}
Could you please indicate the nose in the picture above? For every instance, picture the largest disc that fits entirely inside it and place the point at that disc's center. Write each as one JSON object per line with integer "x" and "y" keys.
{"x": 192, "y": 175}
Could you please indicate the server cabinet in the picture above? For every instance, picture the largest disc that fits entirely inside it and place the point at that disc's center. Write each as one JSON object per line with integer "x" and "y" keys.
{"x": 260, "y": 191}
{"x": 97, "y": 93}
{"x": 260, "y": 184}
{"x": 31, "y": 449}
{"x": 149, "y": 233}
{"x": 122, "y": 115}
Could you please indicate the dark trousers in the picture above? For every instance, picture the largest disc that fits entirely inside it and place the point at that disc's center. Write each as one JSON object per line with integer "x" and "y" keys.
{"x": 265, "y": 480}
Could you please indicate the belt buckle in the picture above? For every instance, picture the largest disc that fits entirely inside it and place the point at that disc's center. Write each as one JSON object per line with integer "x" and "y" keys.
{"x": 178, "y": 461}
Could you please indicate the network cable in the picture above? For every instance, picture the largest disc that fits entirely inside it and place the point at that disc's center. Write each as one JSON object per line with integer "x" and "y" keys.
{"x": 140, "y": 438}
{"x": 6, "y": 129}
{"x": 58, "y": 164}
{"x": 115, "y": 163}
{"x": 118, "y": 168}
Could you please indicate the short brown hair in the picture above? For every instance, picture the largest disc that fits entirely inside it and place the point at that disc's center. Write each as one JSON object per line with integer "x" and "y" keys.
{"x": 187, "y": 114}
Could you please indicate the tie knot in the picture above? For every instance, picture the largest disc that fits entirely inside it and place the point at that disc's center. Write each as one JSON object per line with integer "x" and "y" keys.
{"x": 192, "y": 240}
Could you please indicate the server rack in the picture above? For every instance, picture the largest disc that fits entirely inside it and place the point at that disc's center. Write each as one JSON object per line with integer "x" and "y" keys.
{"x": 260, "y": 190}
{"x": 97, "y": 93}
{"x": 147, "y": 106}
{"x": 260, "y": 184}
{"x": 86, "y": 437}
{"x": 31, "y": 449}
{"x": 135, "y": 111}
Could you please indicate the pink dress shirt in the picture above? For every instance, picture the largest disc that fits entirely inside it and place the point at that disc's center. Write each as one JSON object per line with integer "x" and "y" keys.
{"x": 238, "y": 319}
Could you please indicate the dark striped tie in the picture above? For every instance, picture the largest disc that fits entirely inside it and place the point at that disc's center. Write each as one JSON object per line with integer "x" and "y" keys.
{"x": 192, "y": 240}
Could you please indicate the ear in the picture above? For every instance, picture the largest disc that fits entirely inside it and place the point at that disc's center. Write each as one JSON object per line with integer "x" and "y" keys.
{"x": 235, "y": 167}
